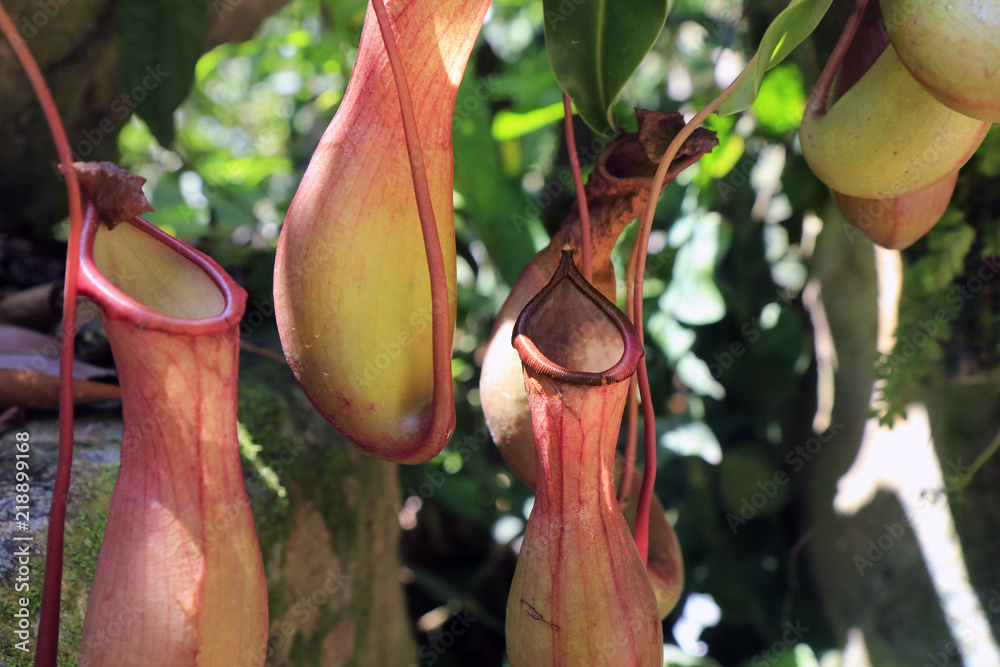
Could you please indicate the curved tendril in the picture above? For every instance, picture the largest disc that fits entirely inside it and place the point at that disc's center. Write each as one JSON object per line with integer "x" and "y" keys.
{"x": 586, "y": 245}
{"x": 48, "y": 629}
{"x": 632, "y": 416}
{"x": 441, "y": 320}
{"x": 631, "y": 439}
{"x": 642, "y": 239}
{"x": 817, "y": 99}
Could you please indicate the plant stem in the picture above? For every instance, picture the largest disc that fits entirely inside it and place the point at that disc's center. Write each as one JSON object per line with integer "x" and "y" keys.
{"x": 632, "y": 416}
{"x": 983, "y": 457}
{"x": 649, "y": 471}
{"x": 642, "y": 242}
{"x": 631, "y": 440}
{"x": 817, "y": 99}
{"x": 48, "y": 630}
{"x": 586, "y": 250}
{"x": 441, "y": 320}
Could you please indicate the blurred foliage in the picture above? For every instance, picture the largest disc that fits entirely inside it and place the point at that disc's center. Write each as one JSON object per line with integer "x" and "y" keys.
{"x": 729, "y": 347}
{"x": 949, "y": 312}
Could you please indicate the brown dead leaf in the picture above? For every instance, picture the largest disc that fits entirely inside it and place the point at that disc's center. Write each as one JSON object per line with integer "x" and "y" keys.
{"x": 116, "y": 193}
{"x": 28, "y": 389}
{"x": 29, "y": 372}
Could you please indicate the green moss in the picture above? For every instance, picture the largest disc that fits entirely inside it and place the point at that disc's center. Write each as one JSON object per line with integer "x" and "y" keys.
{"x": 89, "y": 503}
{"x": 12, "y": 656}
{"x": 10, "y": 604}
{"x": 330, "y": 488}
{"x": 90, "y": 497}
{"x": 293, "y": 446}
{"x": 285, "y": 439}
{"x": 262, "y": 414}
{"x": 306, "y": 652}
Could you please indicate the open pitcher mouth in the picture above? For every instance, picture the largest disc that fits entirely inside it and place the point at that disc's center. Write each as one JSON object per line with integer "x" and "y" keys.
{"x": 570, "y": 332}
{"x": 142, "y": 275}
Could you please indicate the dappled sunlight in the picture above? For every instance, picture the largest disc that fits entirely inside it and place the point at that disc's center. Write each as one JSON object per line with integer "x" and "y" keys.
{"x": 855, "y": 651}
{"x": 902, "y": 461}
{"x": 700, "y": 612}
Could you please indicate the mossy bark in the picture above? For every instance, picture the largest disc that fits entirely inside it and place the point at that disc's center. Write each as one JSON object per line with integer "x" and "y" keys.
{"x": 328, "y": 531}
{"x": 325, "y": 516}
{"x": 74, "y": 44}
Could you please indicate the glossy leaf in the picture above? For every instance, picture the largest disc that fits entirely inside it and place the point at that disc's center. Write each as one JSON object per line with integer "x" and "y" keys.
{"x": 786, "y": 32}
{"x": 595, "y": 46}
{"x": 159, "y": 42}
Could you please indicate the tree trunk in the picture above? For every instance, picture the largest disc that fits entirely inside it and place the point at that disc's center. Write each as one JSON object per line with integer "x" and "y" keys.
{"x": 868, "y": 569}
{"x": 74, "y": 44}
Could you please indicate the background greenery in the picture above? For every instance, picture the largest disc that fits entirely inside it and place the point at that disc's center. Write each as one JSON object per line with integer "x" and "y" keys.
{"x": 730, "y": 349}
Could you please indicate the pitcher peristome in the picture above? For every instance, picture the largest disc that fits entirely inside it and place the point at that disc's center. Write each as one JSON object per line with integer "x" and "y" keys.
{"x": 180, "y": 574}
{"x": 580, "y": 595}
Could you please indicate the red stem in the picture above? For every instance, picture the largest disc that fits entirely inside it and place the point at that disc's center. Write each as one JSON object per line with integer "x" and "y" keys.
{"x": 642, "y": 241}
{"x": 649, "y": 471}
{"x": 581, "y": 196}
{"x": 632, "y": 423}
{"x": 820, "y": 93}
{"x": 631, "y": 440}
{"x": 48, "y": 630}
{"x": 441, "y": 320}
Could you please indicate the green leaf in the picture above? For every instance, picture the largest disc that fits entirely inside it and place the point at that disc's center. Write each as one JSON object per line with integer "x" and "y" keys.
{"x": 159, "y": 42}
{"x": 781, "y": 101}
{"x": 693, "y": 297}
{"x": 511, "y": 125}
{"x": 594, "y": 47}
{"x": 494, "y": 204}
{"x": 786, "y": 32}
